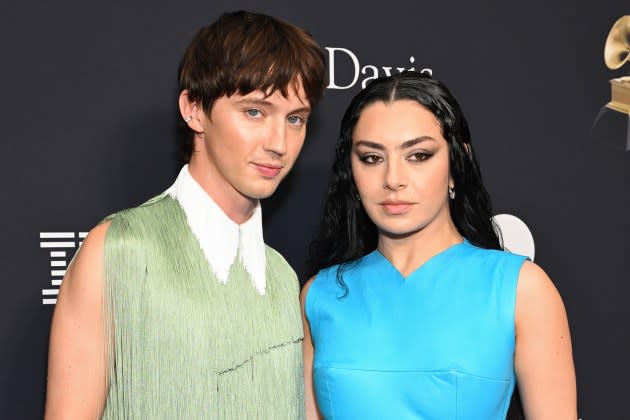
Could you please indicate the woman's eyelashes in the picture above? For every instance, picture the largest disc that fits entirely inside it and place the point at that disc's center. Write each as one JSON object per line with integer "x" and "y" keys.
{"x": 370, "y": 158}
{"x": 419, "y": 156}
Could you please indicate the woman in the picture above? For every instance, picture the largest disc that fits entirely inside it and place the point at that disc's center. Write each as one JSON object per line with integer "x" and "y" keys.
{"x": 416, "y": 312}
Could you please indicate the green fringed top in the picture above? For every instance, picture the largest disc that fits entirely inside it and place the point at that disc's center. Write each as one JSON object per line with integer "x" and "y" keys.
{"x": 185, "y": 346}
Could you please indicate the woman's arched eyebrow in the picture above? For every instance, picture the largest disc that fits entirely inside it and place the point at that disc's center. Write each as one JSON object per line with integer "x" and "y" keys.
{"x": 404, "y": 145}
{"x": 410, "y": 143}
{"x": 370, "y": 144}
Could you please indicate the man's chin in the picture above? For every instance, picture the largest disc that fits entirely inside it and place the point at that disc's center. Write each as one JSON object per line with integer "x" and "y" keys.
{"x": 260, "y": 194}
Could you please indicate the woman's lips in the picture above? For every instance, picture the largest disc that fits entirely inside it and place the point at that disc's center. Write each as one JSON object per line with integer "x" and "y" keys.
{"x": 396, "y": 207}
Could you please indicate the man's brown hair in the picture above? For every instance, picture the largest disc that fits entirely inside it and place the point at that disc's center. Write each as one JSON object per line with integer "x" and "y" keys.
{"x": 242, "y": 52}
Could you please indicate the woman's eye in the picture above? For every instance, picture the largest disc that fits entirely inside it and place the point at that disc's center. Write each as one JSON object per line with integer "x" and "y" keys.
{"x": 370, "y": 159}
{"x": 253, "y": 112}
{"x": 419, "y": 156}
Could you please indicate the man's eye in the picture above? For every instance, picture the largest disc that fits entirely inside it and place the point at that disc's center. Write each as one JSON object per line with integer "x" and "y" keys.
{"x": 296, "y": 120}
{"x": 253, "y": 112}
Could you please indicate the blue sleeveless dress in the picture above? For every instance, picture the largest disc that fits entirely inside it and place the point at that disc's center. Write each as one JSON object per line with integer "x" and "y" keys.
{"x": 436, "y": 345}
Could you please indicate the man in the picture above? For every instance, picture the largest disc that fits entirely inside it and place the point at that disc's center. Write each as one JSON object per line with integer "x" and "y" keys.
{"x": 176, "y": 308}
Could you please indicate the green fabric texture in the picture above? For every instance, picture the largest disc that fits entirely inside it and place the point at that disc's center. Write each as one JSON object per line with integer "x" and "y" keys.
{"x": 185, "y": 346}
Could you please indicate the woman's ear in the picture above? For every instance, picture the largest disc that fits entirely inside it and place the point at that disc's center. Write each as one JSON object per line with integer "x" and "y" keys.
{"x": 468, "y": 149}
{"x": 190, "y": 112}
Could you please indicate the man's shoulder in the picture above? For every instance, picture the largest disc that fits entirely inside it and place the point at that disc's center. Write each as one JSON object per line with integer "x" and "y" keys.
{"x": 155, "y": 204}
{"x": 141, "y": 220}
{"x": 277, "y": 263}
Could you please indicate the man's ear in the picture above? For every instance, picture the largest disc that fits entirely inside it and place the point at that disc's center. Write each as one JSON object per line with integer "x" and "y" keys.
{"x": 190, "y": 112}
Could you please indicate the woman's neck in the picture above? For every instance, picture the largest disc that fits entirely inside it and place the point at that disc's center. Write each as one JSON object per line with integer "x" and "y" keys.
{"x": 409, "y": 252}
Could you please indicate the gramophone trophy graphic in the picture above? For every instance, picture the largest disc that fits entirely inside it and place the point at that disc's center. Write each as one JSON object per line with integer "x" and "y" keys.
{"x": 616, "y": 54}
{"x": 612, "y": 124}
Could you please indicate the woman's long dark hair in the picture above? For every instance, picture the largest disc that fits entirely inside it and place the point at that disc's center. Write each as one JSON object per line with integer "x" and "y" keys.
{"x": 347, "y": 233}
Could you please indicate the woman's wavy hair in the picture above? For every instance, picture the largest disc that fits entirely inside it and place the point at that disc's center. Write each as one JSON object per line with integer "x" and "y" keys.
{"x": 347, "y": 233}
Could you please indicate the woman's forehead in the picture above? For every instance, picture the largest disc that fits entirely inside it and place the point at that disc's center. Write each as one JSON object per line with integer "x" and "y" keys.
{"x": 396, "y": 122}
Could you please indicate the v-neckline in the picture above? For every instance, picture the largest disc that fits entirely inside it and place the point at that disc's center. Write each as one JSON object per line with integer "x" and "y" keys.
{"x": 420, "y": 268}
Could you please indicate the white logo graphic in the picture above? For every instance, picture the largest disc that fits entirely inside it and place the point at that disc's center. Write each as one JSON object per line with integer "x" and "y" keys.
{"x": 370, "y": 70}
{"x": 62, "y": 246}
{"x": 516, "y": 235}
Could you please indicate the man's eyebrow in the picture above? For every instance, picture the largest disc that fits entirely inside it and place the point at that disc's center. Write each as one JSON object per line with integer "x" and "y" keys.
{"x": 254, "y": 101}
{"x": 306, "y": 109}
{"x": 405, "y": 145}
{"x": 269, "y": 104}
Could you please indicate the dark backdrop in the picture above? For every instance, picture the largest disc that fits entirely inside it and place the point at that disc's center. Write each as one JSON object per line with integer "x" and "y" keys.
{"x": 88, "y": 117}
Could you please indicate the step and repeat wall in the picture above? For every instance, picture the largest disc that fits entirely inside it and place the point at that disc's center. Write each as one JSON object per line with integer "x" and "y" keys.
{"x": 88, "y": 127}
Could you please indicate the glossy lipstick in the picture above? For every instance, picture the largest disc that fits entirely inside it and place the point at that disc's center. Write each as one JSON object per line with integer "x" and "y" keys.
{"x": 396, "y": 207}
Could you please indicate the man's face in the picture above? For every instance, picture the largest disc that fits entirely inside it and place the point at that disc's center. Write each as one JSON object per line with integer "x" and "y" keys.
{"x": 248, "y": 144}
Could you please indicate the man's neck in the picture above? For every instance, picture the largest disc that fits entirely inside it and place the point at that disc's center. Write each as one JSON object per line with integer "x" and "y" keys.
{"x": 235, "y": 205}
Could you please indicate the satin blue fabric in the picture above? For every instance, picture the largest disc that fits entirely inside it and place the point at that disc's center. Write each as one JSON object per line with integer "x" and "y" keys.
{"x": 436, "y": 345}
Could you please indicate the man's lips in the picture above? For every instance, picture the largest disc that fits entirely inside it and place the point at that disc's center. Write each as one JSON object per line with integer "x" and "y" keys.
{"x": 396, "y": 207}
{"x": 268, "y": 170}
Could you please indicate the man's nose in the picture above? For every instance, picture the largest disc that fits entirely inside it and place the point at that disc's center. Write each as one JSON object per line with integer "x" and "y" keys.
{"x": 276, "y": 138}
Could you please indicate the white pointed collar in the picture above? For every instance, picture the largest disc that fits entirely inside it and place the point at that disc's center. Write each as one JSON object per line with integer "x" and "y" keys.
{"x": 222, "y": 240}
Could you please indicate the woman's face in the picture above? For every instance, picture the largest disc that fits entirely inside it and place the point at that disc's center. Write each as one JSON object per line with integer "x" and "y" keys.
{"x": 400, "y": 164}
